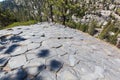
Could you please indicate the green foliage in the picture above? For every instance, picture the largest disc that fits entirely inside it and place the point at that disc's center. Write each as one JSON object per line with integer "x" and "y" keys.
{"x": 118, "y": 11}
{"x": 110, "y": 27}
{"x": 6, "y": 18}
{"x": 45, "y": 10}
{"x": 83, "y": 27}
{"x": 79, "y": 26}
{"x": 105, "y": 32}
{"x": 113, "y": 39}
{"x": 21, "y": 24}
{"x": 72, "y": 24}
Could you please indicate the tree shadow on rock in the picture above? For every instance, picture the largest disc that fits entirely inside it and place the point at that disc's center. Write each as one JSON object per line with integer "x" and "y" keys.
{"x": 19, "y": 74}
{"x": 41, "y": 68}
{"x": 6, "y": 78}
{"x": 55, "y": 65}
{"x": 3, "y": 40}
{"x": 43, "y": 53}
{"x": 11, "y": 48}
{"x": 17, "y": 39}
{"x": 3, "y": 60}
{"x": 39, "y": 78}
{"x": 2, "y": 48}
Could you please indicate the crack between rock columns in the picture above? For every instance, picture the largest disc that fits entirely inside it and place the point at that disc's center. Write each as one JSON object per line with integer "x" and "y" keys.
{"x": 64, "y": 54}
{"x": 58, "y": 47}
{"x": 61, "y": 38}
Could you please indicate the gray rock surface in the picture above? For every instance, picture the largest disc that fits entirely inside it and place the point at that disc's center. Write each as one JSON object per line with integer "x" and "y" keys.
{"x": 16, "y": 62}
{"x": 49, "y": 51}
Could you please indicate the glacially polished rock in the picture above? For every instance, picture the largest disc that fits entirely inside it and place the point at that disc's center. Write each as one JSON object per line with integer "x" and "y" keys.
{"x": 50, "y": 51}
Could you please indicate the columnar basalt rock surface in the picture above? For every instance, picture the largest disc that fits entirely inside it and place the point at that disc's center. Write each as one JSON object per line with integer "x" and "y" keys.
{"x": 48, "y": 51}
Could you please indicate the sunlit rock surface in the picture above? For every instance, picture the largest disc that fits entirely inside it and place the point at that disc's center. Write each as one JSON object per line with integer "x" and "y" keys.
{"x": 49, "y": 51}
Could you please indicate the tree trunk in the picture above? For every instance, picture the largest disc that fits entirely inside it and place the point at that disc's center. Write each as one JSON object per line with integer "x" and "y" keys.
{"x": 51, "y": 12}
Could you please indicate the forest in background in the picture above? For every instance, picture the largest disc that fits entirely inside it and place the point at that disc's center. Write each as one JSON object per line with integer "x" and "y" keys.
{"x": 15, "y": 12}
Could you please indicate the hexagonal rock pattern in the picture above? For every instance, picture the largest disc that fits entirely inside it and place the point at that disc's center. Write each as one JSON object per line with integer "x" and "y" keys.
{"x": 49, "y": 51}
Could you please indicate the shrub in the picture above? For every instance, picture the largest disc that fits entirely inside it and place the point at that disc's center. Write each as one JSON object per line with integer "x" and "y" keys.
{"x": 113, "y": 39}
{"x": 84, "y": 27}
{"x": 91, "y": 28}
{"x": 79, "y": 26}
{"x": 105, "y": 32}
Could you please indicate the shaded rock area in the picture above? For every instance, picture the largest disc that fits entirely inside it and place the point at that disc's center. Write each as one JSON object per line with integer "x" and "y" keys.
{"x": 49, "y": 51}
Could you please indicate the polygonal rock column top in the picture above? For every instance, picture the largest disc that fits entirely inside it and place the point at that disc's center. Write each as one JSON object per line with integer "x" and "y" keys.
{"x": 17, "y": 61}
{"x": 67, "y": 73}
{"x": 35, "y": 66}
{"x": 97, "y": 74}
{"x": 20, "y": 50}
{"x": 33, "y": 46}
{"x": 15, "y": 49}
